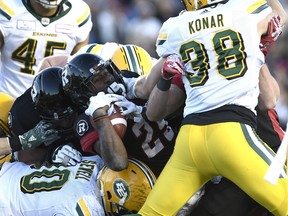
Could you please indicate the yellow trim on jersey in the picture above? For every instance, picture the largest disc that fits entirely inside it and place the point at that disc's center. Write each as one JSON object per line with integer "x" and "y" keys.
{"x": 82, "y": 208}
{"x": 255, "y": 6}
{"x": 96, "y": 49}
{"x": 162, "y": 36}
{"x": 161, "y": 39}
{"x": 6, "y": 9}
{"x": 84, "y": 16}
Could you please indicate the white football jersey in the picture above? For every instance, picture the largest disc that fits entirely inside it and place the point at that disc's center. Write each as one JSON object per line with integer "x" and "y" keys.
{"x": 29, "y": 37}
{"x": 220, "y": 48}
{"x": 30, "y": 190}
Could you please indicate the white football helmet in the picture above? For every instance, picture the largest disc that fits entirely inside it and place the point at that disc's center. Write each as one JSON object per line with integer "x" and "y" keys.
{"x": 125, "y": 191}
{"x": 192, "y": 5}
{"x": 50, "y": 4}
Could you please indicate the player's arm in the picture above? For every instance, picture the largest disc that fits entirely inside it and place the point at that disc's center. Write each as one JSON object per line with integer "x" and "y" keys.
{"x": 42, "y": 133}
{"x": 5, "y": 147}
{"x": 57, "y": 60}
{"x": 165, "y": 97}
{"x": 110, "y": 145}
{"x": 79, "y": 45}
{"x": 269, "y": 89}
{"x": 278, "y": 10}
{"x": 144, "y": 84}
{"x": 163, "y": 103}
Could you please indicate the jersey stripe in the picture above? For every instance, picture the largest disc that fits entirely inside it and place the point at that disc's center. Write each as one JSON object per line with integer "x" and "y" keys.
{"x": 82, "y": 209}
{"x": 161, "y": 39}
{"x": 257, "y": 7}
{"x": 84, "y": 18}
{"x": 260, "y": 147}
{"x": 94, "y": 48}
{"x": 6, "y": 11}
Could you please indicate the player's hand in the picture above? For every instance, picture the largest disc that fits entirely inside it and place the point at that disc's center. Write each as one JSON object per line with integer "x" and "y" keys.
{"x": 43, "y": 132}
{"x": 130, "y": 82}
{"x": 273, "y": 32}
{"x": 129, "y": 109}
{"x": 172, "y": 66}
{"x": 99, "y": 101}
{"x": 66, "y": 155}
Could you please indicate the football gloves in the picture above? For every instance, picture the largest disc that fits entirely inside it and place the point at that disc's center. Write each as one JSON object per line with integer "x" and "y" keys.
{"x": 273, "y": 32}
{"x": 129, "y": 109}
{"x": 66, "y": 155}
{"x": 43, "y": 132}
{"x": 172, "y": 66}
{"x": 99, "y": 101}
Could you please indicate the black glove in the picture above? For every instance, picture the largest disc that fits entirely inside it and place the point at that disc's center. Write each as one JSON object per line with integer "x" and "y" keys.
{"x": 43, "y": 132}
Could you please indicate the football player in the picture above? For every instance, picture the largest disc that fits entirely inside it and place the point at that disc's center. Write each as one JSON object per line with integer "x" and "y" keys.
{"x": 33, "y": 29}
{"x": 210, "y": 136}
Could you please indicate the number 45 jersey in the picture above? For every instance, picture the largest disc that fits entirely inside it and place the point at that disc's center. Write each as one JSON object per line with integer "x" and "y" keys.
{"x": 28, "y": 38}
{"x": 51, "y": 190}
{"x": 220, "y": 52}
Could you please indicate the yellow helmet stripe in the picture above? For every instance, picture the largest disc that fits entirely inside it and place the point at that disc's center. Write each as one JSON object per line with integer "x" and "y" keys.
{"x": 6, "y": 11}
{"x": 149, "y": 174}
{"x": 132, "y": 58}
{"x": 82, "y": 209}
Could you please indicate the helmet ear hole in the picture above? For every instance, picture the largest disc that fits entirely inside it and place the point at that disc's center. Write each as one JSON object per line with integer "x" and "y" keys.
{"x": 109, "y": 196}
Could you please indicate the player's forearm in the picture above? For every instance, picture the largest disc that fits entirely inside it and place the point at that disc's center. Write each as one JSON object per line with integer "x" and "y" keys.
{"x": 112, "y": 149}
{"x": 59, "y": 60}
{"x": 5, "y": 146}
{"x": 278, "y": 10}
{"x": 158, "y": 100}
{"x": 145, "y": 84}
{"x": 269, "y": 89}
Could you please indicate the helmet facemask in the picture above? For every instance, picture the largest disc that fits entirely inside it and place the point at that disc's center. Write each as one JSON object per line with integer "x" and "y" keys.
{"x": 105, "y": 78}
{"x": 108, "y": 73}
{"x": 87, "y": 74}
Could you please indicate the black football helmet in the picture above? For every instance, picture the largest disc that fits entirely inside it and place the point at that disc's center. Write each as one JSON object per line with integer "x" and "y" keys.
{"x": 79, "y": 73}
{"x": 48, "y": 95}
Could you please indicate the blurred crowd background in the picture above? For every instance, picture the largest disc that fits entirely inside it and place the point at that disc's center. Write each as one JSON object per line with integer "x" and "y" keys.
{"x": 138, "y": 22}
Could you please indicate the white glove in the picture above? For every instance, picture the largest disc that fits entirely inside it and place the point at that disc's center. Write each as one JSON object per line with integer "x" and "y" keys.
{"x": 130, "y": 82}
{"x": 98, "y": 101}
{"x": 129, "y": 109}
{"x": 66, "y": 155}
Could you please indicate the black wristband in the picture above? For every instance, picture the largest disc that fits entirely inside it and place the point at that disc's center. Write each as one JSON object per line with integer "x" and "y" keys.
{"x": 163, "y": 84}
{"x": 15, "y": 143}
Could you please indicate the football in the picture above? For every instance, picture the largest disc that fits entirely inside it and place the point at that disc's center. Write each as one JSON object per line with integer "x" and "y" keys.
{"x": 118, "y": 121}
